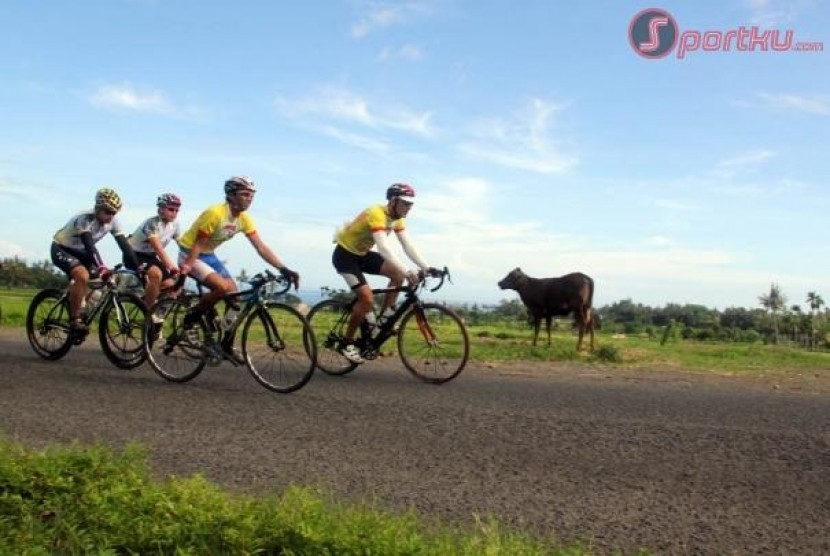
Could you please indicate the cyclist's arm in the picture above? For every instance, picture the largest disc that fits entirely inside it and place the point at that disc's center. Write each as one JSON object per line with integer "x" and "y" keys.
{"x": 127, "y": 249}
{"x": 158, "y": 248}
{"x": 264, "y": 251}
{"x": 199, "y": 245}
{"x": 411, "y": 251}
{"x": 91, "y": 250}
{"x": 271, "y": 258}
{"x": 387, "y": 253}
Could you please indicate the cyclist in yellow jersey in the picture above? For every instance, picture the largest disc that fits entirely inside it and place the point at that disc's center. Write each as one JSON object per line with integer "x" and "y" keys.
{"x": 353, "y": 257}
{"x": 216, "y": 225}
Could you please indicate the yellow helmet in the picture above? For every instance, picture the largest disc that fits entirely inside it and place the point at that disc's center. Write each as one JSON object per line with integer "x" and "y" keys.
{"x": 107, "y": 199}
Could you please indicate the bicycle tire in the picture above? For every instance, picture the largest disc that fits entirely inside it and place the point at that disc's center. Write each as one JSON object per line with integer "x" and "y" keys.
{"x": 174, "y": 356}
{"x": 123, "y": 341}
{"x": 47, "y": 324}
{"x": 328, "y": 320}
{"x": 433, "y": 343}
{"x": 278, "y": 347}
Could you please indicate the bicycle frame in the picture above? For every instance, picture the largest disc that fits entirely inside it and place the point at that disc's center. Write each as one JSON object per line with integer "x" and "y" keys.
{"x": 371, "y": 344}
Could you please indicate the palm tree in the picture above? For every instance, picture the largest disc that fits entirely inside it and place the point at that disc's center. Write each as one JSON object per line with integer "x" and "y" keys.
{"x": 815, "y": 301}
{"x": 773, "y": 302}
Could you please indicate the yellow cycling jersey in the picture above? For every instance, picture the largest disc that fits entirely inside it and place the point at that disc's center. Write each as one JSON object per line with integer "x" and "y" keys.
{"x": 218, "y": 225}
{"x": 356, "y": 236}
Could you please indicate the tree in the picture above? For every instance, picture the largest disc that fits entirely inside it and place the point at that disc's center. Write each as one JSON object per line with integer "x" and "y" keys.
{"x": 815, "y": 302}
{"x": 773, "y": 302}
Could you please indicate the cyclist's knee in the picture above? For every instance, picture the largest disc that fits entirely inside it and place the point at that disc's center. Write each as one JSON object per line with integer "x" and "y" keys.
{"x": 154, "y": 274}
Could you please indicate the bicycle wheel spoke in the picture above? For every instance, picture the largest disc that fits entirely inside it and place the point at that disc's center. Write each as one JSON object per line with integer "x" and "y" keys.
{"x": 173, "y": 353}
{"x": 121, "y": 331}
{"x": 327, "y": 320}
{"x": 278, "y": 347}
{"x": 47, "y": 324}
{"x": 433, "y": 343}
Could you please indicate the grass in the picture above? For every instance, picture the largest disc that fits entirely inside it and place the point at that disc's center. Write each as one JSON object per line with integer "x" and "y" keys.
{"x": 81, "y": 500}
{"x": 503, "y": 343}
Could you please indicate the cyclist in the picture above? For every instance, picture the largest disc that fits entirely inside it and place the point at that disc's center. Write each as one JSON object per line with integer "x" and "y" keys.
{"x": 73, "y": 249}
{"x": 149, "y": 240}
{"x": 216, "y": 225}
{"x": 353, "y": 256}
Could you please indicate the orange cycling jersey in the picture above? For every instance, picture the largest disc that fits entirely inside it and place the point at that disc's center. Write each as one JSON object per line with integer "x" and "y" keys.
{"x": 356, "y": 236}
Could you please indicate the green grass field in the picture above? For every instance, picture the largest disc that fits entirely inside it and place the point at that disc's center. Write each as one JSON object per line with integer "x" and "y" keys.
{"x": 513, "y": 343}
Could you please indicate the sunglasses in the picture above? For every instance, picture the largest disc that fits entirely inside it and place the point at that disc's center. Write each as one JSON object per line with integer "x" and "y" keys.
{"x": 172, "y": 209}
{"x": 110, "y": 212}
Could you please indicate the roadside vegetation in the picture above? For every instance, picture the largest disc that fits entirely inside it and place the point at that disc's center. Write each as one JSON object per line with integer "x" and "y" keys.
{"x": 774, "y": 337}
{"x": 93, "y": 500}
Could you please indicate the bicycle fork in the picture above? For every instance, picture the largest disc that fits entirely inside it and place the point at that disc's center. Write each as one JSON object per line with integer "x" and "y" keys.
{"x": 424, "y": 327}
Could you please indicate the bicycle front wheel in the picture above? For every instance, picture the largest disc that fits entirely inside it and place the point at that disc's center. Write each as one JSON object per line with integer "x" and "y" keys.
{"x": 433, "y": 343}
{"x": 328, "y": 321}
{"x": 175, "y": 354}
{"x": 278, "y": 347}
{"x": 47, "y": 324}
{"x": 121, "y": 330}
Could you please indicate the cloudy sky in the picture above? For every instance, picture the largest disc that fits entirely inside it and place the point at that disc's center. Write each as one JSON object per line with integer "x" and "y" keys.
{"x": 534, "y": 133}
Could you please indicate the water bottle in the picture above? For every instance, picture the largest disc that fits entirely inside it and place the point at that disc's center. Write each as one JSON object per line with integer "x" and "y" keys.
{"x": 93, "y": 298}
{"x": 230, "y": 318}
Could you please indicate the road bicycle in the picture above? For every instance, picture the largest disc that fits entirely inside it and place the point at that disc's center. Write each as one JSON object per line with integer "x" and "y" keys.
{"x": 121, "y": 321}
{"x": 278, "y": 346}
{"x": 433, "y": 342}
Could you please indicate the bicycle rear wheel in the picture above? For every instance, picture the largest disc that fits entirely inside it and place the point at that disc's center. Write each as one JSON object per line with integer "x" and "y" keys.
{"x": 328, "y": 322}
{"x": 121, "y": 330}
{"x": 278, "y": 347}
{"x": 47, "y": 324}
{"x": 175, "y": 354}
{"x": 433, "y": 343}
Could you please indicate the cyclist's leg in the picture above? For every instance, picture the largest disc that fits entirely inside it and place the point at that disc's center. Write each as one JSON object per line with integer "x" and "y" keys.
{"x": 351, "y": 267}
{"x": 71, "y": 264}
{"x": 396, "y": 278}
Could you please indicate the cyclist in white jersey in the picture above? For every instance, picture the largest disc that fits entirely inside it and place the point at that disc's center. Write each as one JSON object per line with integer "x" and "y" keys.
{"x": 73, "y": 249}
{"x": 149, "y": 241}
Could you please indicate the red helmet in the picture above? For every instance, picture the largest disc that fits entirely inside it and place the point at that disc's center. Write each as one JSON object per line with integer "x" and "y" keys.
{"x": 402, "y": 191}
{"x": 168, "y": 200}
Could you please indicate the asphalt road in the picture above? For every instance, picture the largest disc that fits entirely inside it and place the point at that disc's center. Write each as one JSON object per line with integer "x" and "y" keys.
{"x": 676, "y": 462}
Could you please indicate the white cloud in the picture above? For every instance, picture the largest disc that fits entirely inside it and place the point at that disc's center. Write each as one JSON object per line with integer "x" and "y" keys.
{"x": 127, "y": 97}
{"x": 742, "y": 163}
{"x": 382, "y": 15}
{"x": 812, "y": 104}
{"x": 525, "y": 142}
{"x": 774, "y": 13}
{"x": 408, "y": 52}
{"x": 344, "y": 106}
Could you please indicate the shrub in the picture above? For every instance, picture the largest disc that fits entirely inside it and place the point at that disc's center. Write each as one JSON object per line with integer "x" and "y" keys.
{"x": 608, "y": 354}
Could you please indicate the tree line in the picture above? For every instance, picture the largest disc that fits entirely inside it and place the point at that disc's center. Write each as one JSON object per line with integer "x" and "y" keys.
{"x": 775, "y": 320}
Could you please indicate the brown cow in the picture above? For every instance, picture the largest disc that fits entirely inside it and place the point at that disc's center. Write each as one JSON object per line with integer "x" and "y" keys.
{"x": 546, "y": 298}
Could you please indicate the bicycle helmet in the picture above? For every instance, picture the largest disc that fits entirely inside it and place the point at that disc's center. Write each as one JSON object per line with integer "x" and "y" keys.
{"x": 107, "y": 199}
{"x": 168, "y": 200}
{"x": 234, "y": 184}
{"x": 402, "y": 191}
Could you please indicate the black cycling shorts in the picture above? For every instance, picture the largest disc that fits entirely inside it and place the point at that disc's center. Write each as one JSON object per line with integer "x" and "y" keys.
{"x": 351, "y": 267}
{"x": 67, "y": 258}
{"x": 147, "y": 259}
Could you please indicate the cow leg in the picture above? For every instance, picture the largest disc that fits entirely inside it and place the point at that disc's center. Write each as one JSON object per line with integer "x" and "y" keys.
{"x": 591, "y": 328}
{"x": 536, "y": 323}
{"x": 547, "y": 327}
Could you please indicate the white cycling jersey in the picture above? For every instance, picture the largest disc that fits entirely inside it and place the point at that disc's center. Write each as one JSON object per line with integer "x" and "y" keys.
{"x": 70, "y": 234}
{"x": 153, "y": 227}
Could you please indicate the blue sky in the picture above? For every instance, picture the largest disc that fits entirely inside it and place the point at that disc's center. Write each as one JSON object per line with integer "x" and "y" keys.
{"x": 532, "y": 131}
